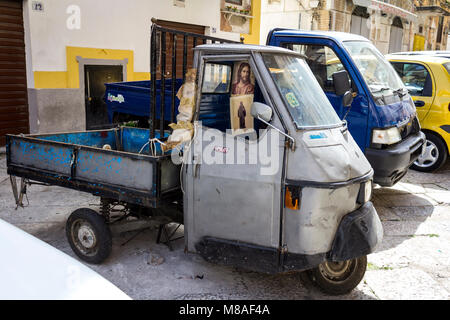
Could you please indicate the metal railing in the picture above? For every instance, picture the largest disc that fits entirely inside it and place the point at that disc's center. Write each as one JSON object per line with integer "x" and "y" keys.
{"x": 158, "y": 52}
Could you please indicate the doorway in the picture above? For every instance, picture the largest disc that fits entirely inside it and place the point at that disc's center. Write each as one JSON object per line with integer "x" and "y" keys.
{"x": 360, "y": 23}
{"x": 396, "y": 36}
{"x": 95, "y": 77}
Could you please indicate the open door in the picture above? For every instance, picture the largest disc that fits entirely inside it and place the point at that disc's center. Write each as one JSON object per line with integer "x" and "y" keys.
{"x": 95, "y": 78}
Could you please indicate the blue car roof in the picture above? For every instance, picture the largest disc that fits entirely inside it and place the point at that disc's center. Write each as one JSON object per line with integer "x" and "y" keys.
{"x": 334, "y": 35}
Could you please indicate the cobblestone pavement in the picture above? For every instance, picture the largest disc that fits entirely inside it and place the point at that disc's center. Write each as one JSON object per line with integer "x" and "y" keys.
{"x": 413, "y": 261}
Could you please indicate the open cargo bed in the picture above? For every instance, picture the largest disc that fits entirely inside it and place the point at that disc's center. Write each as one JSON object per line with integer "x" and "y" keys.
{"x": 78, "y": 161}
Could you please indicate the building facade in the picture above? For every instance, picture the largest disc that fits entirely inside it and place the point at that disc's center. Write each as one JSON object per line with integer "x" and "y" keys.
{"x": 392, "y": 25}
{"x": 70, "y": 48}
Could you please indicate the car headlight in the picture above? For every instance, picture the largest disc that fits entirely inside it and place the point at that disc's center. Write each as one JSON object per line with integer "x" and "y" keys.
{"x": 365, "y": 192}
{"x": 386, "y": 136}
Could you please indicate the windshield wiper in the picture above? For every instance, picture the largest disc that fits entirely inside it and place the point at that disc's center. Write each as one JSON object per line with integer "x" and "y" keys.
{"x": 381, "y": 89}
{"x": 401, "y": 92}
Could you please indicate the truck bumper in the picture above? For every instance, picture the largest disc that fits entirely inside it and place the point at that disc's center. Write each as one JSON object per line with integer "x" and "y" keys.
{"x": 391, "y": 164}
{"x": 358, "y": 234}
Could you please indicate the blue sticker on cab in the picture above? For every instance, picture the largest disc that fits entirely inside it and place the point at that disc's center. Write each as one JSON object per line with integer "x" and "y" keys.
{"x": 321, "y": 135}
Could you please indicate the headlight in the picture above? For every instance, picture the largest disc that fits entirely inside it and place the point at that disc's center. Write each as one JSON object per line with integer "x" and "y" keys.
{"x": 387, "y": 136}
{"x": 365, "y": 192}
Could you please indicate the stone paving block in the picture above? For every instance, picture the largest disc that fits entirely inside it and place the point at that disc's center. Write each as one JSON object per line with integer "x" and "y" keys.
{"x": 426, "y": 252}
{"x": 436, "y": 187}
{"x": 440, "y": 197}
{"x": 400, "y": 285}
{"x": 415, "y": 228}
{"x": 421, "y": 213}
{"x": 387, "y": 214}
{"x": 412, "y": 188}
{"x": 398, "y": 188}
{"x": 407, "y": 200}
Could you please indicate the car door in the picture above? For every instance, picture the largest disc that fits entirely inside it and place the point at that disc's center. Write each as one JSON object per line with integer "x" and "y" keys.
{"x": 228, "y": 195}
{"x": 418, "y": 79}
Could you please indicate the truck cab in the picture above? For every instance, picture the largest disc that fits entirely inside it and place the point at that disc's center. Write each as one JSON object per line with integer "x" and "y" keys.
{"x": 382, "y": 117}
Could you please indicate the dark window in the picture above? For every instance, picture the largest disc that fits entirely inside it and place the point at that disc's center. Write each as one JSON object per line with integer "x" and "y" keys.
{"x": 416, "y": 78}
{"x": 439, "y": 30}
{"x": 322, "y": 61}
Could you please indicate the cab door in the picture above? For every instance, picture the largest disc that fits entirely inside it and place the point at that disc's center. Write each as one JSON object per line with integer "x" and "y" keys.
{"x": 419, "y": 81}
{"x": 231, "y": 198}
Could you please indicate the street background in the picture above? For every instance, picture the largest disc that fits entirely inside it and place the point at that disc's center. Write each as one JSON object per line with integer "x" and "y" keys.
{"x": 413, "y": 261}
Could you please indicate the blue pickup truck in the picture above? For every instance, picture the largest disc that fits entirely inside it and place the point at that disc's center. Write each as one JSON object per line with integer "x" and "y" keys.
{"x": 381, "y": 117}
{"x": 131, "y": 100}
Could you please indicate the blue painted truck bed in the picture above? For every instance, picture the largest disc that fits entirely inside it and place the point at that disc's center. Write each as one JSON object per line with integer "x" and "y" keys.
{"x": 77, "y": 160}
{"x": 133, "y": 98}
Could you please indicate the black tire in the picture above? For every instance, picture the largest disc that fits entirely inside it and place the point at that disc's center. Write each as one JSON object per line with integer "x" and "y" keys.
{"x": 337, "y": 278}
{"x": 89, "y": 235}
{"x": 437, "y": 154}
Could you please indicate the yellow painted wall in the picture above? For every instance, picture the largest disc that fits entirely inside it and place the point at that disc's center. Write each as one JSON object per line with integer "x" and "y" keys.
{"x": 419, "y": 43}
{"x": 71, "y": 77}
{"x": 255, "y": 25}
{"x": 50, "y": 79}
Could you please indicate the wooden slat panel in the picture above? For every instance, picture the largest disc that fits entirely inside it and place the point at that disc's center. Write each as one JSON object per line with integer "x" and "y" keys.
{"x": 11, "y": 4}
{"x": 13, "y": 83}
{"x": 12, "y": 57}
{"x": 12, "y": 12}
{"x": 5, "y": 117}
{"x": 11, "y": 35}
{"x": 9, "y": 19}
{"x": 14, "y": 128}
{"x": 169, "y": 46}
{"x": 14, "y": 109}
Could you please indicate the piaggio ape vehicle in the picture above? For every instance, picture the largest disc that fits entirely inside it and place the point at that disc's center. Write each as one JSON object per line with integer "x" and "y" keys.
{"x": 278, "y": 185}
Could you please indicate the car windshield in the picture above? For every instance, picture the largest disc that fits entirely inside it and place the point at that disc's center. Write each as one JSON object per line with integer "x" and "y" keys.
{"x": 302, "y": 94}
{"x": 378, "y": 73}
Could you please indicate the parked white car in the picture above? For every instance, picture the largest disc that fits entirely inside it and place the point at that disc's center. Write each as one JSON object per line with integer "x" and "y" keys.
{"x": 30, "y": 269}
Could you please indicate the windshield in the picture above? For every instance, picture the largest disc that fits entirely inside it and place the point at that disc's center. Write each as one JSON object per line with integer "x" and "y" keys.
{"x": 376, "y": 70}
{"x": 302, "y": 94}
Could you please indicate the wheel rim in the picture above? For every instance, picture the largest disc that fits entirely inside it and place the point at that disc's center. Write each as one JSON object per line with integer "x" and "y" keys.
{"x": 337, "y": 271}
{"x": 429, "y": 157}
{"x": 84, "y": 238}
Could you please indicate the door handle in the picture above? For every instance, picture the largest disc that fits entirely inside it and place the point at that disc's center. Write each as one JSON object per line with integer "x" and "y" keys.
{"x": 196, "y": 167}
{"x": 419, "y": 103}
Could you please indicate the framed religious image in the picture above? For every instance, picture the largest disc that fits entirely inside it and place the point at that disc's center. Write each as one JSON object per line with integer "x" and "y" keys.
{"x": 240, "y": 115}
{"x": 243, "y": 81}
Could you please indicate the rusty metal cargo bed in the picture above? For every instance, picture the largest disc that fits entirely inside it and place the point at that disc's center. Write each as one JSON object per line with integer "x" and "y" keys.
{"x": 78, "y": 160}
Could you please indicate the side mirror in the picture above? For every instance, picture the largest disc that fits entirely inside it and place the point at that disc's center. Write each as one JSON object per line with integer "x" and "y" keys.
{"x": 347, "y": 99}
{"x": 341, "y": 82}
{"x": 261, "y": 110}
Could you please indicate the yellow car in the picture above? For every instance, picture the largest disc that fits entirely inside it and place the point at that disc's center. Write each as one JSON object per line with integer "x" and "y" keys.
{"x": 427, "y": 79}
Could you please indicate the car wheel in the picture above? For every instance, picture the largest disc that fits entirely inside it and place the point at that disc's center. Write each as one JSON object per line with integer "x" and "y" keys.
{"x": 89, "y": 235}
{"x": 336, "y": 278}
{"x": 434, "y": 156}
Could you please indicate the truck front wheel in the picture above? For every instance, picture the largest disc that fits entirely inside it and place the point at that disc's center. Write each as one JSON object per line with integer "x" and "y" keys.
{"x": 434, "y": 156}
{"x": 89, "y": 235}
{"x": 337, "y": 278}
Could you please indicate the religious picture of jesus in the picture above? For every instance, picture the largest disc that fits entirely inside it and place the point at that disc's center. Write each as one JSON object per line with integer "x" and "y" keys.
{"x": 243, "y": 79}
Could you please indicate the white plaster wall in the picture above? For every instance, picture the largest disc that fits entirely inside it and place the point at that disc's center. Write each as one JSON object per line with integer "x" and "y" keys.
{"x": 111, "y": 24}
{"x": 284, "y": 14}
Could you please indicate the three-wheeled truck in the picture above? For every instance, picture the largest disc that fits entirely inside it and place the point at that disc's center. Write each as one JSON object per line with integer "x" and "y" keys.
{"x": 291, "y": 193}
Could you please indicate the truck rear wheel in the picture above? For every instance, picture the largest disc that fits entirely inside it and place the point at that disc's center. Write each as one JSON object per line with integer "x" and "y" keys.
{"x": 89, "y": 235}
{"x": 337, "y": 278}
